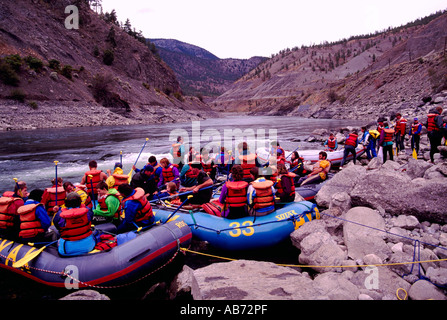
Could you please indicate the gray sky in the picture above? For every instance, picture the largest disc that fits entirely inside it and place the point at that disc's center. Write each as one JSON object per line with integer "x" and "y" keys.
{"x": 245, "y": 28}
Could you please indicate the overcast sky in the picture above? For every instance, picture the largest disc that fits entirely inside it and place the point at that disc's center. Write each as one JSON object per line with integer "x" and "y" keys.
{"x": 245, "y": 28}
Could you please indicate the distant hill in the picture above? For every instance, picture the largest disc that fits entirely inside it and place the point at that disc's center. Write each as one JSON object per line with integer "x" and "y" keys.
{"x": 360, "y": 77}
{"x": 200, "y": 72}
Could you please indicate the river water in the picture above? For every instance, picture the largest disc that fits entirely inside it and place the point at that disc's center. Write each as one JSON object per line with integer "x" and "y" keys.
{"x": 30, "y": 155}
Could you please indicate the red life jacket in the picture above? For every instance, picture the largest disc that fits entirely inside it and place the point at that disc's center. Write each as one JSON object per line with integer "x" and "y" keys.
{"x": 237, "y": 194}
{"x": 96, "y": 177}
{"x": 401, "y": 126}
{"x": 331, "y": 143}
{"x": 207, "y": 165}
{"x": 120, "y": 179}
{"x": 103, "y": 206}
{"x": 145, "y": 212}
{"x": 431, "y": 124}
{"x": 264, "y": 195}
{"x": 415, "y": 127}
{"x": 389, "y": 134}
{"x": 352, "y": 139}
{"x": 168, "y": 174}
{"x": 49, "y": 198}
{"x": 289, "y": 175}
{"x": 77, "y": 225}
{"x": 247, "y": 162}
{"x": 30, "y": 226}
{"x": 8, "y": 209}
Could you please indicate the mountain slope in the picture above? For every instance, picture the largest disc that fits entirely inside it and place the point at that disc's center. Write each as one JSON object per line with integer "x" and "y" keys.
{"x": 369, "y": 75}
{"x": 98, "y": 65}
{"x": 199, "y": 71}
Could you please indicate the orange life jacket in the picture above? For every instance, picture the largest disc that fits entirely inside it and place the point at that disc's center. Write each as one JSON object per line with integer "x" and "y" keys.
{"x": 145, "y": 212}
{"x": 352, "y": 139}
{"x": 77, "y": 226}
{"x": 96, "y": 177}
{"x": 237, "y": 194}
{"x": 247, "y": 162}
{"x": 168, "y": 174}
{"x": 264, "y": 195}
{"x": 176, "y": 153}
{"x": 8, "y": 209}
{"x": 431, "y": 124}
{"x": 389, "y": 134}
{"x": 30, "y": 226}
{"x": 289, "y": 175}
{"x": 120, "y": 179}
{"x": 49, "y": 198}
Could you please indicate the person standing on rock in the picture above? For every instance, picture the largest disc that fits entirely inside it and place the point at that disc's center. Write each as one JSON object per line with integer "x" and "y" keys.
{"x": 415, "y": 134}
{"x": 400, "y": 129}
{"x": 386, "y": 141}
{"x": 434, "y": 126}
{"x": 350, "y": 144}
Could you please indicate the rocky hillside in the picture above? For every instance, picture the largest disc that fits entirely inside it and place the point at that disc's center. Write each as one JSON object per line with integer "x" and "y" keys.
{"x": 371, "y": 75}
{"x": 97, "y": 69}
{"x": 201, "y": 72}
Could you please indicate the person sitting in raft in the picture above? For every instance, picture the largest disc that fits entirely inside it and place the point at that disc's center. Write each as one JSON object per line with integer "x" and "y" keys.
{"x": 224, "y": 161}
{"x": 117, "y": 177}
{"x": 208, "y": 164}
{"x": 108, "y": 204}
{"x": 260, "y": 195}
{"x": 81, "y": 190}
{"x": 234, "y": 195}
{"x": 52, "y": 194}
{"x": 297, "y": 165}
{"x": 136, "y": 209}
{"x": 247, "y": 160}
{"x": 10, "y": 202}
{"x": 169, "y": 173}
{"x": 34, "y": 220}
{"x": 202, "y": 181}
{"x": 331, "y": 143}
{"x": 145, "y": 180}
{"x": 285, "y": 186}
{"x": 97, "y": 175}
{"x": 320, "y": 171}
{"x": 170, "y": 192}
{"x": 74, "y": 226}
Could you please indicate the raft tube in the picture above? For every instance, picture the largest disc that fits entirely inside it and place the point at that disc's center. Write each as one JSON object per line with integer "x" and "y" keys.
{"x": 119, "y": 266}
{"x": 249, "y": 232}
{"x": 309, "y": 191}
{"x": 334, "y": 156}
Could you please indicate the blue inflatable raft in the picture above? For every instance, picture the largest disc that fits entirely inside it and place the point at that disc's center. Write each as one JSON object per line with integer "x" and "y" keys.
{"x": 245, "y": 233}
{"x": 122, "y": 265}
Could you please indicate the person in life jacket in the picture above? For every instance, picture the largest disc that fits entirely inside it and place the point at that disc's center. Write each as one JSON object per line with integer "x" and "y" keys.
{"x": 415, "y": 133}
{"x": 369, "y": 141}
{"x": 260, "y": 195}
{"x": 157, "y": 168}
{"x": 297, "y": 165}
{"x": 285, "y": 185}
{"x": 170, "y": 192}
{"x": 9, "y": 218}
{"x": 400, "y": 129}
{"x": 81, "y": 190}
{"x": 208, "y": 164}
{"x": 435, "y": 127}
{"x": 224, "y": 161}
{"x": 200, "y": 181}
{"x": 178, "y": 152}
{"x": 54, "y": 196}
{"x": 170, "y": 172}
{"x": 319, "y": 172}
{"x": 109, "y": 204}
{"x": 234, "y": 195}
{"x": 74, "y": 226}
{"x": 386, "y": 141}
{"x": 97, "y": 175}
{"x": 136, "y": 209}
{"x": 331, "y": 143}
{"x": 117, "y": 177}
{"x": 247, "y": 160}
{"x": 34, "y": 220}
{"x": 351, "y": 144}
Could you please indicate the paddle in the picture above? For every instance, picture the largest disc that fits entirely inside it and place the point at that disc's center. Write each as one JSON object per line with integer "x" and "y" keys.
{"x": 415, "y": 154}
{"x": 93, "y": 191}
{"x": 292, "y": 152}
{"x": 186, "y": 192}
{"x": 19, "y": 190}
{"x": 181, "y": 205}
{"x": 131, "y": 170}
{"x": 56, "y": 162}
{"x": 28, "y": 257}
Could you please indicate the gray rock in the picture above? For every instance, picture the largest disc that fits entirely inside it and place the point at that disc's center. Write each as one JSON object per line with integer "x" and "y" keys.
{"x": 424, "y": 290}
{"x": 85, "y": 295}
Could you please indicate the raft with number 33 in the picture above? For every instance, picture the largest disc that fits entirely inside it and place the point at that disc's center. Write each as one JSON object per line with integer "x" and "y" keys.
{"x": 248, "y": 232}
{"x": 124, "y": 264}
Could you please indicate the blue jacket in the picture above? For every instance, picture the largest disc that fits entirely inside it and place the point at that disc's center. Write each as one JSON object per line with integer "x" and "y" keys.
{"x": 41, "y": 214}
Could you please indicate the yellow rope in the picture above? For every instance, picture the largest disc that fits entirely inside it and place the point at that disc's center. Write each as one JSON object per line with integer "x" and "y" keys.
{"x": 313, "y": 266}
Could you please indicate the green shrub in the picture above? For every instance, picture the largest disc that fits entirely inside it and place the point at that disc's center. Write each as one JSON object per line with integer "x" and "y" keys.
{"x": 33, "y": 105}
{"x": 108, "y": 57}
{"x": 8, "y": 75}
{"x": 14, "y": 61}
{"x": 34, "y": 63}
{"x": 54, "y": 64}
{"x": 17, "y": 94}
{"x": 66, "y": 71}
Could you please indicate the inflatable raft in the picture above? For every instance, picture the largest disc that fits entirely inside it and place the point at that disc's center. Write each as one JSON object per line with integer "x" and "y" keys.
{"x": 334, "y": 156}
{"x": 122, "y": 265}
{"x": 249, "y": 232}
{"x": 309, "y": 191}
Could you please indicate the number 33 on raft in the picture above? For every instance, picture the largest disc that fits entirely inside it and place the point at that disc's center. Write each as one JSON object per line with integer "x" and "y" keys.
{"x": 246, "y": 231}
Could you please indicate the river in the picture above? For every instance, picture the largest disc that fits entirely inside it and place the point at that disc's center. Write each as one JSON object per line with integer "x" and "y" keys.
{"x": 29, "y": 155}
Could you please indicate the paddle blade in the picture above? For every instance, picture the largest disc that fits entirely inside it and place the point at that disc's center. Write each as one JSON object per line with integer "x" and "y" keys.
{"x": 27, "y": 258}
{"x": 415, "y": 155}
